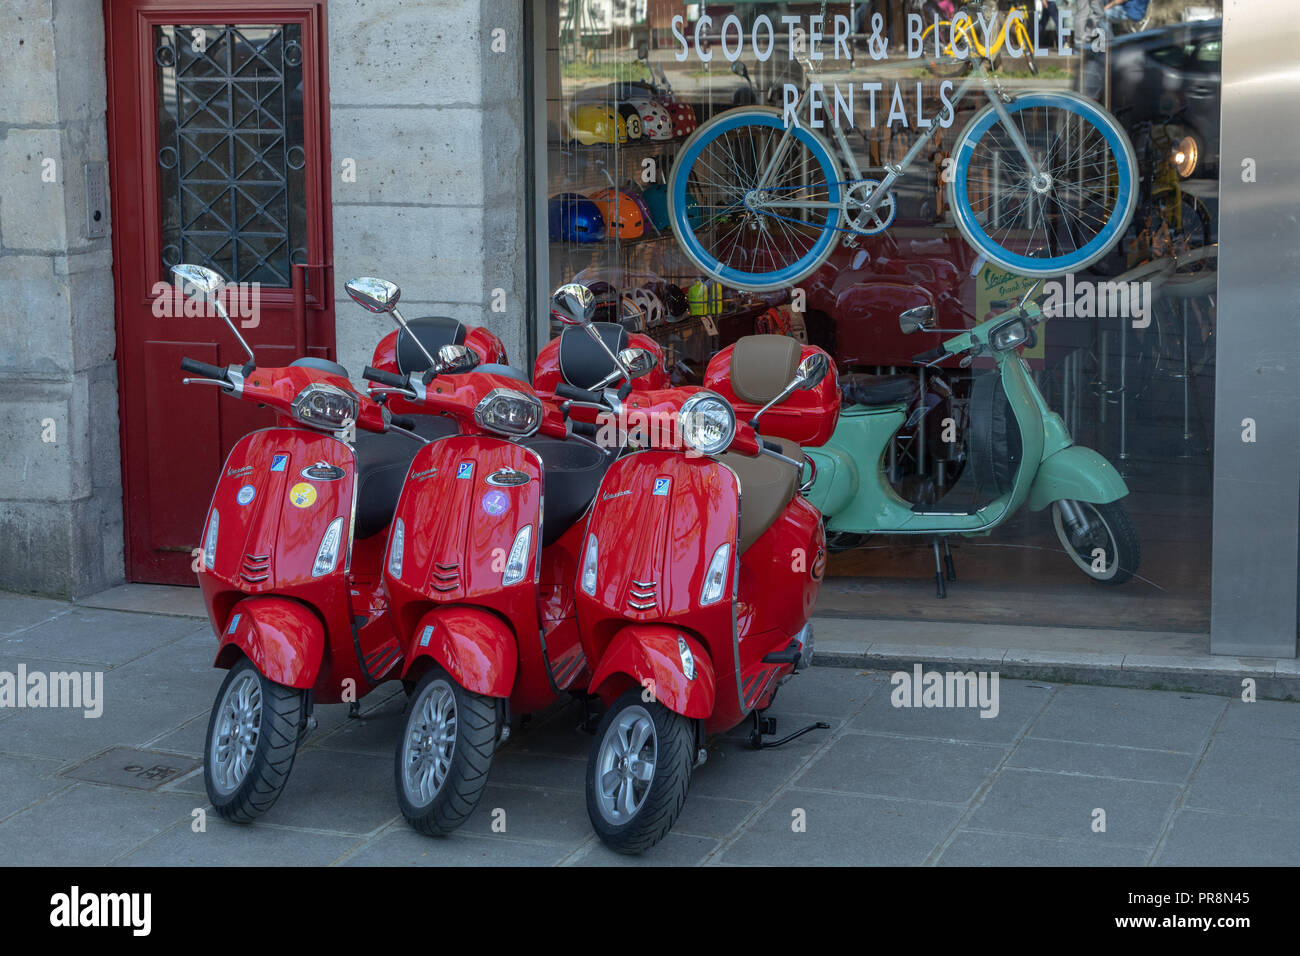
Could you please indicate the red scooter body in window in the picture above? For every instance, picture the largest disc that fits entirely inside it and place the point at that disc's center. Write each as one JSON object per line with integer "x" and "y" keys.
{"x": 766, "y": 363}
{"x": 480, "y": 569}
{"x": 574, "y": 358}
{"x": 289, "y": 566}
{"x": 697, "y": 578}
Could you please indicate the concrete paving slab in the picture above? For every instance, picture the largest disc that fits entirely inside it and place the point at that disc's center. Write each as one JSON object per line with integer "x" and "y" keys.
{"x": 150, "y": 599}
{"x": 676, "y": 849}
{"x": 1102, "y": 760}
{"x": 1271, "y": 765}
{"x": 531, "y": 815}
{"x": 842, "y": 830}
{"x": 234, "y": 844}
{"x": 339, "y": 792}
{"x": 21, "y": 611}
{"x": 1199, "y": 838}
{"x": 717, "y": 817}
{"x": 1059, "y": 805}
{"x": 96, "y": 637}
{"x": 936, "y": 770}
{"x": 1261, "y": 718}
{"x": 975, "y": 848}
{"x": 1017, "y": 704}
{"x": 1117, "y": 715}
{"x": 25, "y": 780}
{"x": 402, "y": 846}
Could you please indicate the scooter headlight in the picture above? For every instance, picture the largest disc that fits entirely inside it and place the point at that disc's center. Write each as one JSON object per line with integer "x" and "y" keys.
{"x": 396, "y": 546}
{"x": 327, "y": 555}
{"x": 325, "y": 406}
{"x": 708, "y": 423}
{"x": 509, "y": 412}
{"x": 210, "y": 541}
{"x": 716, "y": 577}
{"x": 1008, "y": 335}
{"x": 589, "y": 566}
{"x": 517, "y": 563}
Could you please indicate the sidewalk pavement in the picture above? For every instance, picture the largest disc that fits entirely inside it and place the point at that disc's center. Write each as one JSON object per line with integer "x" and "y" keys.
{"x": 1183, "y": 778}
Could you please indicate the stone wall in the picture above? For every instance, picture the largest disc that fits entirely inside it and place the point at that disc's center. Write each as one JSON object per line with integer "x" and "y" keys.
{"x": 60, "y": 473}
{"x": 433, "y": 118}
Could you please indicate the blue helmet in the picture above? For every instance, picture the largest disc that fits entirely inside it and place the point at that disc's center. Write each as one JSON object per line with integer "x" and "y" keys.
{"x": 572, "y": 217}
{"x": 656, "y": 201}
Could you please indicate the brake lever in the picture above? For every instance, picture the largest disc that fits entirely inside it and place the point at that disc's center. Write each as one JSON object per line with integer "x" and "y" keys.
{"x": 207, "y": 381}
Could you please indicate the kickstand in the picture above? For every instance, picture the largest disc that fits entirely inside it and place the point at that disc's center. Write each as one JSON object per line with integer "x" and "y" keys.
{"x": 354, "y": 710}
{"x": 947, "y": 560}
{"x": 940, "y": 590}
{"x": 767, "y": 725}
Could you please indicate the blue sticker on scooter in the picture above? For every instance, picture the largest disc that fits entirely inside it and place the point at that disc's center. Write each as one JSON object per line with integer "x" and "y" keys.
{"x": 278, "y": 462}
{"x": 234, "y": 623}
{"x": 495, "y": 502}
{"x": 662, "y": 485}
{"x": 424, "y": 637}
{"x": 465, "y": 470}
{"x": 246, "y": 494}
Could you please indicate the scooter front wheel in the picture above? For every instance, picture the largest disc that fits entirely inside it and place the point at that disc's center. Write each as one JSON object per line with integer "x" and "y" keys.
{"x": 638, "y": 773}
{"x": 444, "y": 754}
{"x": 1107, "y": 550}
{"x": 252, "y": 741}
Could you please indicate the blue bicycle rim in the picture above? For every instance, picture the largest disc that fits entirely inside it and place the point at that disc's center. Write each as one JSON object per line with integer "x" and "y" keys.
{"x": 728, "y": 274}
{"x": 1057, "y": 265}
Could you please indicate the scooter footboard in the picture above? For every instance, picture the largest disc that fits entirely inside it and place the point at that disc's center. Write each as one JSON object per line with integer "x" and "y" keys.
{"x": 282, "y": 637}
{"x": 1076, "y": 473}
{"x": 649, "y": 655}
{"x": 474, "y": 646}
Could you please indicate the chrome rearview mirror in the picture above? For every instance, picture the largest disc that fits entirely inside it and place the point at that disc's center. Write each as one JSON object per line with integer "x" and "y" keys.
{"x": 456, "y": 358}
{"x": 917, "y": 319}
{"x": 380, "y": 296}
{"x": 812, "y": 370}
{"x": 638, "y": 361}
{"x": 373, "y": 295}
{"x": 209, "y": 284}
{"x": 573, "y": 304}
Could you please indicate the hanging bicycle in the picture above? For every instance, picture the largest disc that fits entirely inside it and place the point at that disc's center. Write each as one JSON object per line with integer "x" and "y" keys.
{"x": 1043, "y": 183}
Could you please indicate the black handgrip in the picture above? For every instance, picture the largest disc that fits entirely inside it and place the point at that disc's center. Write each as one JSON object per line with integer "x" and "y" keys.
{"x": 624, "y": 391}
{"x": 402, "y": 421}
{"x": 1001, "y": 305}
{"x": 203, "y": 368}
{"x": 925, "y": 358}
{"x": 772, "y": 446}
{"x": 383, "y": 378}
{"x": 584, "y": 428}
{"x": 565, "y": 390}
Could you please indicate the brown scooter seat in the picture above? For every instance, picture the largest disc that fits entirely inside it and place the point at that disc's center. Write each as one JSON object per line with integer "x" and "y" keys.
{"x": 766, "y": 486}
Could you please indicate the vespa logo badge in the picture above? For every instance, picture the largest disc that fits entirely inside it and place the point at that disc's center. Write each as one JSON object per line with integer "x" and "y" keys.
{"x": 508, "y": 478}
{"x": 237, "y": 472}
{"x": 278, "y": 462}
{"x": 662, "y": 485}
{"x": 617, "y": 494}
{"x": 421, "y": 475}
{"x": 465, "y": 469}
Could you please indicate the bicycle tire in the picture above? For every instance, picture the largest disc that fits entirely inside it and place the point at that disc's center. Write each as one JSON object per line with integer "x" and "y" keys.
{"x": 688, "y": 234}
{"x": 1115, "y": 223}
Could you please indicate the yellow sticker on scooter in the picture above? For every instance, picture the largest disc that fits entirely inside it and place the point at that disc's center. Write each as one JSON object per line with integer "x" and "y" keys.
{"x": 302, "y": 495}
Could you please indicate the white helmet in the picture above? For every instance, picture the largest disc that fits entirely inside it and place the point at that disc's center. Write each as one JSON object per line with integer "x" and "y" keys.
{"x": 656, "y": 122}
{"x": 650, "y": 306}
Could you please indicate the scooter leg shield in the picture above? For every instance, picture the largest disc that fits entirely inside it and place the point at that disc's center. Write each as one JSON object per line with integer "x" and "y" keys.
{"x": 474, "y": 646}
{"x": 1077, "y": 473}
{"x": 283, "y": 638}
{"x": 651, "y": 656}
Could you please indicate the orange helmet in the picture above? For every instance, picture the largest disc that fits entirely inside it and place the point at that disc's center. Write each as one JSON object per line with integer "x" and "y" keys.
{"x": 622, "y": 214}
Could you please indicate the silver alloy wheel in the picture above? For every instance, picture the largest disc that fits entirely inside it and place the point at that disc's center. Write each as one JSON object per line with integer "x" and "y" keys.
{"x": 1098, "y": 535}
{"x": 625, "y": 765}
{"x": 429, "y": 743}
{"x": 235, "y": 736}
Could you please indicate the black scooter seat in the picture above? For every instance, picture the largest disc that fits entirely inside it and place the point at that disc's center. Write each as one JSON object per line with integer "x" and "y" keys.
{"x": 572, "y": 473}
{"x": 382, "y": 463}
{"x": 858, "y": 388}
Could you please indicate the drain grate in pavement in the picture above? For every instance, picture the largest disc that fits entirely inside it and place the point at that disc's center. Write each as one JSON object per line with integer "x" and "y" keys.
{"x": 132, "y": 769}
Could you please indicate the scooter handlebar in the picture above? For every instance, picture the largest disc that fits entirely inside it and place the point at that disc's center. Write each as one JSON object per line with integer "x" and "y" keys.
{"x": 402, "y": 421}
{"x": 384, "y": 378}
{"x": 925, "y": 358}
{"x": 565, "y": 390}
{"x": 195, "y": 367}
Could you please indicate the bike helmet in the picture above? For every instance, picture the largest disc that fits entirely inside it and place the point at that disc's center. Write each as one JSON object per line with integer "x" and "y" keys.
{"x": 674, "y": 300}
{"x": 631, "y": 119}
{"x": 694, "y": 211}
{"x": 656, "y": 200}
{"x": 590, "y": 124}
{"x": 572, "y": 217}
{"x": 622, "y": 217}
{"x": 656, "y": 122}
{"x": 652, "y": 309}
{"x": 632, "y": 192}
{"x": 684, "y": 121}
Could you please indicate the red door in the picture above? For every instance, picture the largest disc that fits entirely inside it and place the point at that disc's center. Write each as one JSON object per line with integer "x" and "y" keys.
{"x": 218, "y": 155}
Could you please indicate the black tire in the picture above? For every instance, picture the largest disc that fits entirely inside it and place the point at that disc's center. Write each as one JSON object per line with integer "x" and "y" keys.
{"x": 673, "y": 753}
{"x": 242, "y": 797}
{"x": 447, "y": 804}
{"x": 1112, "y": 531}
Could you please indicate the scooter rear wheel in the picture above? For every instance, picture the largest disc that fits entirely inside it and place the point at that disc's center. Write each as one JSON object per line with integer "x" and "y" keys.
{"x": 445, "y": 753}
{"x": 251, "y": 744}
{"x": 638, "y": 773}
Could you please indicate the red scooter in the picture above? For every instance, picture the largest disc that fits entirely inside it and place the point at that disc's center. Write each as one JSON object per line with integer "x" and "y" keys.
{"x": 290, "y": 563}
{"x": 692, "y": 610}
{"x": 480, "y": 575}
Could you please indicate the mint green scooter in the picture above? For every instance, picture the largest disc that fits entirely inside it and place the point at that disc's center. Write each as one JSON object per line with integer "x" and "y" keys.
{"x": 1018, "y": 451}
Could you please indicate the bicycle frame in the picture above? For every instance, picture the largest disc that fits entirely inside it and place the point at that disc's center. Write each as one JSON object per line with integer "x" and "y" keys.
{"x": 893, "y": 171}
{"x": 965, "y": 28}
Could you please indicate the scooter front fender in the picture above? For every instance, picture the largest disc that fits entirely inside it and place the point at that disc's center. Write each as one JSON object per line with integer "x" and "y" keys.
{"x": 1077, "y": 473}
{"x": 649, "y": 655}
{"x": 474, "y": 646}
{"x": 283, "y": 638}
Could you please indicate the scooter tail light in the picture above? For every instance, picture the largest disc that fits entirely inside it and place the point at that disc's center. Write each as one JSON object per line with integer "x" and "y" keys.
{"x": 716, "y": 579}
{"x": 517, "y": 563}
{"x": 210, "y": 541}
{"x": 327, "y": 555}
{"x": 396, "y": 547}
{"x": 589, "y": 566}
